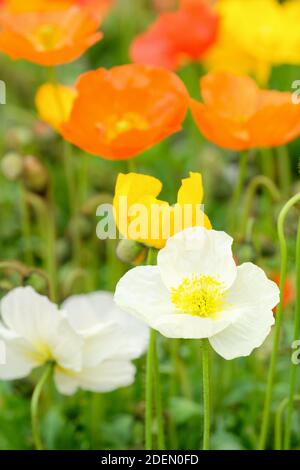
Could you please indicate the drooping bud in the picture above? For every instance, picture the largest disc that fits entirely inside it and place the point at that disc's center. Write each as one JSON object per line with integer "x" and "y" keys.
{"x": 12, "y": 166}
{"x": 35, "y": 174}
{"x": 131, "y": 252}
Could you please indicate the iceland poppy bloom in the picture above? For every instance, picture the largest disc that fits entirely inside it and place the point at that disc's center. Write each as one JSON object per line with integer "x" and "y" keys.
{"x": 90, "y": 342}
{"x": 136, "y": 206}
{"x": 123, "y": 111}
{"x": 185, "y": 34}
{"x": 49, "y": 37}
{"x": 197, "y": 291}
{"x": 237, "y": 115}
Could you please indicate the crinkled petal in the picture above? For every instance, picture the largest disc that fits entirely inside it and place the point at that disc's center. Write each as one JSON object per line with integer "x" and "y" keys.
{"x": 107, "y": 376}
{"x": 142, "y": 293}
{"x": 197, "y": 251}
{"x": 252, "y": 297}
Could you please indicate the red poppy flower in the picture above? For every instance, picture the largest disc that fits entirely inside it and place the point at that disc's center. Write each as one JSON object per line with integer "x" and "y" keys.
{"x": 48, "y": 37}
{"x": 123, "y": 111}
{"x": 185, "y": 34}
{"x": 237, "y": 115}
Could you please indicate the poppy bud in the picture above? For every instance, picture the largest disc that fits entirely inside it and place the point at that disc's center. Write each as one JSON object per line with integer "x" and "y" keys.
{"x": 246, "y": 252}
{"x": 18, "y": 137}
{"x": 35, "y": 174}
{"x": 131, "y": 252}
{"x": 12, "y": 166}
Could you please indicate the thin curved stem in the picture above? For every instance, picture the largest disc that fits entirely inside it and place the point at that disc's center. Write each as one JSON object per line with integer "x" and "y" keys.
{"x": 279, "y": 418}
{"x": 34, "y": 407}
{"x": 206, "y": 393}
{"x": 256, "y": 183}
{"x": 272, "y": 367}
{"x": 293, "y": 367}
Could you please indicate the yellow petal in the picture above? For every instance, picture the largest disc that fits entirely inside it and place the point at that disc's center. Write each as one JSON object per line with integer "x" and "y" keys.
{"x": 54, "y": 103}
{"x": 191, "y": 191}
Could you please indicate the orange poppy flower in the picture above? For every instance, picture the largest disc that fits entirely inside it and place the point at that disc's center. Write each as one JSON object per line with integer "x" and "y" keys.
{"x": 237, "y": 115}
{"x": 123, "y": 111}
{"x": 21, "y": 6}
{"x": 48, "y": 38}
{"x": 185, "y": 34}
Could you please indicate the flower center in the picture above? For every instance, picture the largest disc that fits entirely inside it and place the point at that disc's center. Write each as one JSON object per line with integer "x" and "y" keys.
{"x": 47, "y": 36}
{"x": 202, "y": 296}
{"x": 117, "y": 125}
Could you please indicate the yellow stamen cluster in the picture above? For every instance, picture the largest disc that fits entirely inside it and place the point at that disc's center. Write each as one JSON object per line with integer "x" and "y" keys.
{"x": 119, "y": 124}
{"x": 47, "y": 36}
{"x": 202, "y": 296}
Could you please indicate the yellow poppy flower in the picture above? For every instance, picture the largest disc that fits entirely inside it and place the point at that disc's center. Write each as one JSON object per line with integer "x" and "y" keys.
{"x": 142, "y": 217}
{"x": 54, "y": 103}
{"x": 256, "y": 34}
{"x": 264, "y": 28}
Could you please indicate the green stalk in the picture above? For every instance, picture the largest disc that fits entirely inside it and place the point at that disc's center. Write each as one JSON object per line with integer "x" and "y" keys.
{"x": 236, "y": 197}
{"x": 278, "y": 420}
{"x": 285, "y": 172}
{"x": 149, "y": 393}
{"x": 206, "y": 393}
{"x": 25, "y": 224}
{"x": 34, "y": 407}
{"x": 272, "y": 367}
{"x": 257, "y": 182}
{"x": 293, "y": 367}
{"x": 158, "y": 400}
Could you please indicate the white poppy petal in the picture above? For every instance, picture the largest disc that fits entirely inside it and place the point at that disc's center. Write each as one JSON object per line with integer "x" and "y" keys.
{"x": 252, "y": 297}
{"x": 107, "y": 376}
{"x": 108, "y": 330}
{"x": 180, "y": 325}
{"x": 142, "y": 293}
{"x": 65, "y": 346}
{"x": 86, "y": 311}
{"x": 197, "y": 251}
{"x": 38, "y": 321}
{"x": 29, "y": 314}
{"x": 19, "y": 359}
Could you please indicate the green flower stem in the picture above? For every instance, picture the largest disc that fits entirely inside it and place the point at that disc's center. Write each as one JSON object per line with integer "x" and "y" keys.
{"x": 279, "y": 418}
{"x": 34, "y": 406}
{"x": 268, "y": 169}
{"x": 236, "y": 197}
{"x": 293, "y": 367}
{"x": 149, "y": 393}
{"x": 256, "y": 183}
{"x": 158, "y": 400}
{"x": 206, "y": 393}
{"x": 153, "y": 384}
{"x": 131, "y": 166}
{"x": 25, "y": 224}
{"x": 69, "y": 172}
{"x": 285, "y": 172}
{"x": 272, "y": 368}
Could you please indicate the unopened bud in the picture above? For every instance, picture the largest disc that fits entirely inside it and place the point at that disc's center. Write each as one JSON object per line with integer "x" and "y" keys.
{"x": 19, "y": 137}
{"x": 12, "y": 166}
{"x": 35, "y": 174}
{"x": 131, "y": 252}
{"x": 246, "y": 252}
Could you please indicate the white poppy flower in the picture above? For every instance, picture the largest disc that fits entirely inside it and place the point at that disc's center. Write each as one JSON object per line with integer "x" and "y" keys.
{"x": 197, "y": 291}
{"x": 111, "y": 340}
{"x": 90, "y": 341}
